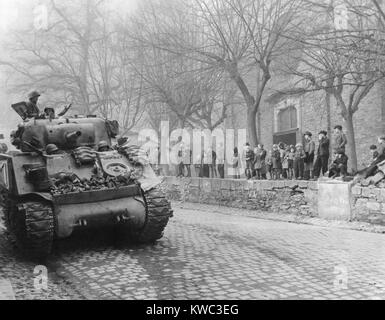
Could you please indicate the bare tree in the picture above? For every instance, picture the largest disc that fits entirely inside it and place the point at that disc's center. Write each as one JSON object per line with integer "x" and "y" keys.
{"x": 191, "y": 90}
{"x": 243, "y": 38}
{"x": 78, "y": 60}
{"x": 344, "y": 63}
{"x": 57, "y": 59}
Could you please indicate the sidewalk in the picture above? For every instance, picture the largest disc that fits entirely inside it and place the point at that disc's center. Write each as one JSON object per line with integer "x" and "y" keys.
{"x": 282, "y": 217}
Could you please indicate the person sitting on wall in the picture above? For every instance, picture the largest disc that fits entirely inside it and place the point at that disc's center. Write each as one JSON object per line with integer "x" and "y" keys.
{"x": 374, "y": 152}
{"x": 339, "y": 167}
{"x": 378, "y": 155}
{"x": 381, "y": 149}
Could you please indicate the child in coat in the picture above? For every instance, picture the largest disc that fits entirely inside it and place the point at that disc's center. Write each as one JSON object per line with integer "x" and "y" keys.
{"x": 299, "y": 161}
{"x": 276, "y": 162}
{"x": 290, "y": 160}
{"x": 269, "y": 163}
{"x": 285, "y": 163}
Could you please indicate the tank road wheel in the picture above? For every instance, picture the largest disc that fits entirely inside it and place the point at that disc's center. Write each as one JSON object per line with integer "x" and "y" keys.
{"x": 33, "y": 226}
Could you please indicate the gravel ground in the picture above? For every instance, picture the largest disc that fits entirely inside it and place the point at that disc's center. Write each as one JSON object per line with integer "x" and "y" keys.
{"x": 18, "y": 273}
{"x": 288, "y": 258}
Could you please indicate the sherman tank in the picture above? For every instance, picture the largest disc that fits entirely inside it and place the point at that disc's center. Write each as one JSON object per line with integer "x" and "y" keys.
{"x": 67, "y": 176}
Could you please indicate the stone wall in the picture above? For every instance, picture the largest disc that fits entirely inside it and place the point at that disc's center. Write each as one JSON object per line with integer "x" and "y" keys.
{"x": 369, "y": 204}
{"x": 284, "y": 196}
{"x": 295, "y": 197}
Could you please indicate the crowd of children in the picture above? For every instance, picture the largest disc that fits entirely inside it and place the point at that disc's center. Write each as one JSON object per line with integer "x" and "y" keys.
{"x": 281, "y": 162}
{"x": 300, "y": 161}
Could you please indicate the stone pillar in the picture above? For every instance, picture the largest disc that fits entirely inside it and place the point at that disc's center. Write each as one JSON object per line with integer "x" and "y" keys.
{"x": 335, "y": 200}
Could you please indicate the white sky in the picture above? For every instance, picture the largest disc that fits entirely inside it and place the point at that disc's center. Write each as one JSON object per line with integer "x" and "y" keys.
{"x": 17, "y": 12}
{"x": 12, "y": 11}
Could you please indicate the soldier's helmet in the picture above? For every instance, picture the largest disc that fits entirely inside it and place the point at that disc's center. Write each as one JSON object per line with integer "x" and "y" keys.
{"x": 51, "y": 148}
{"x": 102, "y": 145}
{"x": 122, "y": 140}
{"x": 33, "y": 94}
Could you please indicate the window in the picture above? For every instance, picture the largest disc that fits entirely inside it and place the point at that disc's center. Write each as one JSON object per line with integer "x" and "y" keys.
{"x": 287, "y": 119}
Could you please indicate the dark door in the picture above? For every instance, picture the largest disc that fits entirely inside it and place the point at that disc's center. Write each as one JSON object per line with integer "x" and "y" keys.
{"x": 287, "y": 137}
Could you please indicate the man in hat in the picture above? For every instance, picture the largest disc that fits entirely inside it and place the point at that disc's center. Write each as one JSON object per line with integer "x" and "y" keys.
{"x": 339, "y": 139}
{"x": 32, "y": 108}
{"x": 309, "y": 149}
{"x": 322, "y": 159}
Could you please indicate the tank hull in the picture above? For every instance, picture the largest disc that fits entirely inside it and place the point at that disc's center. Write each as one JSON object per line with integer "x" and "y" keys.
{"x": 131, "y": 211}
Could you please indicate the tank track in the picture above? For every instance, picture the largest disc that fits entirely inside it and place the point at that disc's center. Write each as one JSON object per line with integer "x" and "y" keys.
{"x": 33, "y": 227}
{"x": 6, "y": 208}
{"x": 158, "y": 212}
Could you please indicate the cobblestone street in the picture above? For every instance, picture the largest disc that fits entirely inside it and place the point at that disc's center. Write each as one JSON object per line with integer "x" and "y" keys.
{"x": 208, "y": 255}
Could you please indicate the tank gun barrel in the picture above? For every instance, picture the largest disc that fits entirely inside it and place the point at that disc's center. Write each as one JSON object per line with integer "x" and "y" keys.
{"x": 73, "y": 136}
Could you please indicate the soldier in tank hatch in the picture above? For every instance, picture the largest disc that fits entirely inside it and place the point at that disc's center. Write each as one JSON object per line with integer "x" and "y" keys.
{"x": 32, "y": 108}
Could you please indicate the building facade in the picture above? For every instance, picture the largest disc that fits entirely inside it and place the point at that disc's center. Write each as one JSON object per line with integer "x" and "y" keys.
{"x": 286, "y": 118}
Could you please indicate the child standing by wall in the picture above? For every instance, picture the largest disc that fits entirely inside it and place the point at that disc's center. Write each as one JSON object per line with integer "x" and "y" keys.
{"x": 269, "y": 162}
{"x": 249, "y": 158}
{"x": 260, "y": 162}
{"x": 257, "y": 162}
{"x": 276, "y": 162}
{"x": 282, "y": 151}
{"x": 235, "y": 164}
{"x": 299, "y": 161}
{"x": 285, "y": 164}
{"x": 290, "y": 160}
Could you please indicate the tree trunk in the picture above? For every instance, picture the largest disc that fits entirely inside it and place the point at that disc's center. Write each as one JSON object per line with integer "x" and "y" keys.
{"x": 351, "y": 141}
{"x": 328, "y": 117}
{"x": 252, "y": 125}
{"x": 382, "y": 86}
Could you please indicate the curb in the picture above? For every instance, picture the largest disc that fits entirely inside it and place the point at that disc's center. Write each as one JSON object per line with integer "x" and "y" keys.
{"x": 281, "y": 217}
